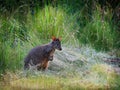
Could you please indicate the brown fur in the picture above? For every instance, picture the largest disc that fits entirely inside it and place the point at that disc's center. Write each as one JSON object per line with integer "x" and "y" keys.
{"x": 43, "y": 65}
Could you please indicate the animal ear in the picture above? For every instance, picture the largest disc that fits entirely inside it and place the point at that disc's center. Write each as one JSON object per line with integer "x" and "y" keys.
{"x": 60, "y": 38}
{"x": 53, "y": 38}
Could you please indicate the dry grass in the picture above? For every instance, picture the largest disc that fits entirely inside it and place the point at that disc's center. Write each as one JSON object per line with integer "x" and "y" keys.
{"x": 99, "y": 76}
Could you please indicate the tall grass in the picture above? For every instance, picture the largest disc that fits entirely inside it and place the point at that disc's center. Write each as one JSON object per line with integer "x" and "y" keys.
{"x": 99, "y": 31}
{"x": 96, "y": 27}
{"x": 52, "y": 21}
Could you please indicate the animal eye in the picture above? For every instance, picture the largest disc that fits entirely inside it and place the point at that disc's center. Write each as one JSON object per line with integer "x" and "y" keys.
{"x": 57, "y": 43}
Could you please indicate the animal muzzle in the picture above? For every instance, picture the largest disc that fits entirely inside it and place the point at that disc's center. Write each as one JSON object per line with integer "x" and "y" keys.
{"x": 60, "y": 49}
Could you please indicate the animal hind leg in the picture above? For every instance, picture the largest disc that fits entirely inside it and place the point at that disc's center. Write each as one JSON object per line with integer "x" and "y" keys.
{"x": 44, "y": 67}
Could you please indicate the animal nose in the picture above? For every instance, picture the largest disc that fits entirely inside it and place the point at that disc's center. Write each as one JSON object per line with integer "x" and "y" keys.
{"x": 60, "y": 49}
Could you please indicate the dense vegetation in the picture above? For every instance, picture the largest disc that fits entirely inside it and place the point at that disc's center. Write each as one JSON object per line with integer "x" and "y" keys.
{"x": 27, "y": 23}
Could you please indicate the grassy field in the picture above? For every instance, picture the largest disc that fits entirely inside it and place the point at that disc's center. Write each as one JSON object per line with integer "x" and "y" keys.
{"x": 76, "y": 71}
{"x": 88, "y": 37}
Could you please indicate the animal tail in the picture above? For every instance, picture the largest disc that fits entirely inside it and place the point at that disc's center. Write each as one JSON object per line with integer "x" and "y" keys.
{"x": 26, "y": 63}
{"x": 26, "y": 66}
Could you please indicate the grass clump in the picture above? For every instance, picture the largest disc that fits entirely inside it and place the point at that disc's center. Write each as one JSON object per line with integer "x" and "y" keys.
{"x": 98, "y": 32}
{"x": 51, "y": 21}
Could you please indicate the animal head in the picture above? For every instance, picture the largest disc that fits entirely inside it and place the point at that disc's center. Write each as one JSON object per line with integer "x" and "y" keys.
{"x": 56, "y": 42}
